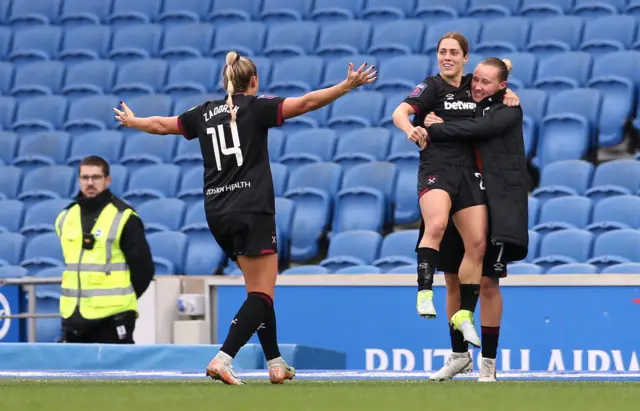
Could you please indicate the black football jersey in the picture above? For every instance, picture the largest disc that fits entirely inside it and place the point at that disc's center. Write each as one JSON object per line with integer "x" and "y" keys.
{"x": 450, "y": 103}
{"x": 237, "y": 175}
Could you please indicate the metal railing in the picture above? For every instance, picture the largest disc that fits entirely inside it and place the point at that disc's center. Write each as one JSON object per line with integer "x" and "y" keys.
{"x": 29, "y": 284}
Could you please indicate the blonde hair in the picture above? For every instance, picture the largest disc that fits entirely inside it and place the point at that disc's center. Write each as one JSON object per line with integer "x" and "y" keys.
{"x": 236, "y": 77}
{"x": 504, "y": 65}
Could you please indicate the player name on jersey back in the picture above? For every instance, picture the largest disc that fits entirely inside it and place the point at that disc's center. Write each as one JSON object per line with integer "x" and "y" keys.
{"x": 223, "y": 109}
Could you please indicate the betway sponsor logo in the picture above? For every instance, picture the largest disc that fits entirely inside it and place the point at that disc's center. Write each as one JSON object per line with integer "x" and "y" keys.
{"x": 558, "y": 360}
{"x": 459, "y": 105}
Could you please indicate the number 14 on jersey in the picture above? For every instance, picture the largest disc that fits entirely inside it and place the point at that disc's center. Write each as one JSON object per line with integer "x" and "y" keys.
{"x": 219, "y": 143}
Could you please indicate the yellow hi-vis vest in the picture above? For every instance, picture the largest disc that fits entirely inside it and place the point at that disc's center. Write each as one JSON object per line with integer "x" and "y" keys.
{"x": 98, "y": 280}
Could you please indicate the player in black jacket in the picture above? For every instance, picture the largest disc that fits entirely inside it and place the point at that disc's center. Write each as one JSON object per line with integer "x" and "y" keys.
{"x": 449, "y": 183}
{"x": 239, "y": 196}
{"x": 496, "y": 131}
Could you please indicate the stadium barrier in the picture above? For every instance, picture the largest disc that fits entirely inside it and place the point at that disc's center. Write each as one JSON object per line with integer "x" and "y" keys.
{"x": 550, "y": 322}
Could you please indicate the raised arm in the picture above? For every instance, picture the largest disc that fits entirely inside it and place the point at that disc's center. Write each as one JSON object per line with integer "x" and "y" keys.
{"x": 152, "y": 125}
{"x": 296, "y": 106}
{"x": 494, "y": 123}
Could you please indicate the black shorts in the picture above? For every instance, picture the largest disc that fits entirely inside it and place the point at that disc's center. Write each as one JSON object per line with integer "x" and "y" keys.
{"x": 452, "y": 252}
{"x": 244, "y": 234}
{"x": 463, "y": 183}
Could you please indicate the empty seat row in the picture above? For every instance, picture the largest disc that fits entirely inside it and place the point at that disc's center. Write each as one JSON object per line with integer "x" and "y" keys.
{"x": 574, "y": 268}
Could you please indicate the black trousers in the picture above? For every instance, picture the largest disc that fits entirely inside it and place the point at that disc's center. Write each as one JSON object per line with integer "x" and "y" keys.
{"x": 117, "y": 329}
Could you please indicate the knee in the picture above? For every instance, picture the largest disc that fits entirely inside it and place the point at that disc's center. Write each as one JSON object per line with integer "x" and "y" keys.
{"x": 434, "y": 228}
{"x": 475, "y": 247}
{"x": 489, "y": 288}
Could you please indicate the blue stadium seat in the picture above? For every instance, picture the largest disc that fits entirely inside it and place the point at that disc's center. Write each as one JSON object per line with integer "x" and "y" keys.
{"x": 48, "y": 301}
{"x": 616, "y": 247}
{"x": 285, "y": 212}
{"x": 404, "y": 269}
{"x": 192, "y": 77}
{"x": 633, "y": 8}
{"x": 296, "y": 76}
{"x": 555, "y": 35}
{"x": 204, "y": 256}
{"x": 312, "y": 188}
{"x": 617, "y": 107}
{"x": 276, "y": 142}
{"x": 563, "y": 71}
{"x": 42, "y": 149}
{"x": 119, "y": 179}
{"x": 42, "y": 252}
{"x": 35, "y": 44}
{"x": 247, "y": 38}
{"x": 11, "y": 248}
{"x": 84, "y": 13}
{"x": 345, "y": 39}
{"x": 573, "y": 268}
{"x": 503, "y": 35}
{"x": 524, "y": 68}
{"x": 33, "y": 13}
{"x": 359, "y": 269}
{"x": 133, "y": 12}
{"x": 86, "y": 43}
{"x": 615, "y": 177}
{"x": 400, "y": 74}
{"x": 349, "y": 248}
{"x": 537, "y": 10}
{"x": 10, "y": 181}
{"x": 524, "y": 268}
{"x": 9, "y": 143}
{"x": 140, "y": 78}
{"x": 564, "y": 212}
{"x": 396, "y": 38}
{"x": 534, "y": 246}
{"x": 89, "y": 78}
{"x": 336, "y": 69}
{"x": 47, "y": 182}
{"x": 186, "y": 41}
{"x": 137, "y": 42}
{"x": 488, "y": 10}
{"x": 617, "y": 64}
{"x": 264, "y": 67}
{"x": 392, "y": 102}
{"x": 40, "y": 218}
{"x": 226, "y": 12}
{"x": 398, "y": 249}
{"x": 534, "y": 206}
{"x": 280, "y": 176}
{"x": 195, "y": 215}
{"x": 7, "y": 112}
{"x": 155, "y": 181}
{"x": 188, "y": 156}
{"x": 469, "y": 27}
{"x": 361, "y": 146}
{"x": 183, "y": 12}
{"x": 595, "y": 9}
{"x": 169, "y": 251}
{"x": 141, "y": 149}
{"x": 7, "y": 72}
{"x": 565, "y": 246}
{"x": 283, "y": 11}
{"x": 305, "y": 269}
{"x": 294, "y": 39}
{"x": 6, "y": 35}
{"x": 624, "y": 268}
{"x": 12, "y": 271}
{"x": 333, "y": 11}
{"x": 43, "y": 113}
{"x": 11, "y": 215}
{"x": 569, "y": 129}
{"x": 609, "y": 34}
{"x": 106, "y": 144}
{"x": 567, "y": 177}
{"x": 379, "y": 176}
{"x": 162, "y": 214}
{"x": 190, "y": 190}
{"x": 380, "y": 11}
{"x": 615, "y": 213}
{"x": 38, "y": 79}
{"x": 93, "y": 113}
{"x": 438, "y": 10}
{"x": 356, "y": 110}
{"x": 308, "y": 146}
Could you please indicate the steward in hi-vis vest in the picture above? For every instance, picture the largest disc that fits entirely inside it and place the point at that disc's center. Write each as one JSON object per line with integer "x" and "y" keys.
{"x": 107, "y": 258}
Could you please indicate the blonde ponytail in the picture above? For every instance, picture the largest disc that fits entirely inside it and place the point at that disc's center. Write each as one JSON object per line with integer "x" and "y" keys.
{"x": 230, "y": 60}
{"x": 508, "y": 64}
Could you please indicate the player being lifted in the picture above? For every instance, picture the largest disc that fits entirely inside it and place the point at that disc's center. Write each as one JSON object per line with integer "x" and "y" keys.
{"x": 239, "y": 194}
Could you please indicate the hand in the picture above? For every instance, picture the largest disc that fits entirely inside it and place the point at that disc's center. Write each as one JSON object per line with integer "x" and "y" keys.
{"x": 511, "y": 99}
{"x": 125, "y": 117}
{"x": 359, "y": 78}
{"x": 418, "y": 135}
{"x": 431, "y": 118}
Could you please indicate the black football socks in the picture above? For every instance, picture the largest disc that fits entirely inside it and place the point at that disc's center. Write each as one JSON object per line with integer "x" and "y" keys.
{"x": 267, "y": 332}
{"x": 427, "y": 264}
{"x": 246, "y": 322}
{"x": 469, "y": 294}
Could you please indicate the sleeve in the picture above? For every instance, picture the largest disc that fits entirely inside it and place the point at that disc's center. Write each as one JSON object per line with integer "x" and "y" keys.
{"x": 189, "y": 120}
{"x": 268, "y": 110}
{"x": 494, "y": 123}
{"x": 423, "y": 98}
{"x": 137, "y": 252}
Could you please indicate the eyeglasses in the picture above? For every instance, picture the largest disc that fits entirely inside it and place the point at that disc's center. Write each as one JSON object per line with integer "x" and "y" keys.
{"x": 95, "y": 177}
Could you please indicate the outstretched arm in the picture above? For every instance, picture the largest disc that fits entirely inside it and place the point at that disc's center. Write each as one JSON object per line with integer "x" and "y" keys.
{"x": 151, "y": 125}
{"x": 494, "y": 123}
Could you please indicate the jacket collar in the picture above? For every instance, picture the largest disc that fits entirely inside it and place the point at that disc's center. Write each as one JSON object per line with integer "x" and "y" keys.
{"x": 492, "y": 99}
{"x": 96, "y": 203}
